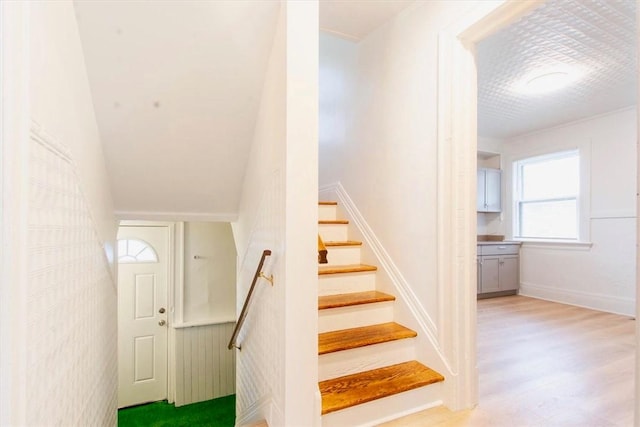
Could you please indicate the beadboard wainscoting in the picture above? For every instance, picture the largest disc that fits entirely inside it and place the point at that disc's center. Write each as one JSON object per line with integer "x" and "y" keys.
{"x": 205, "y": 368}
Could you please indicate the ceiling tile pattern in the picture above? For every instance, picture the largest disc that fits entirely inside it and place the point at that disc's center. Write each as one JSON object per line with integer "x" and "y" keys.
{"x": 597, "y": 37}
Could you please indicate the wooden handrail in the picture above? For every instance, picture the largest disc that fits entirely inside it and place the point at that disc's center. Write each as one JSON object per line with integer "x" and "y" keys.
{"x": 245, "y": 307}
{"x": 322, "y": 251}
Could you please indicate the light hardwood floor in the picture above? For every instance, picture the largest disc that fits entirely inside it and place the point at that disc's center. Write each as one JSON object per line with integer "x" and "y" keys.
{"x": 546, "y": 364}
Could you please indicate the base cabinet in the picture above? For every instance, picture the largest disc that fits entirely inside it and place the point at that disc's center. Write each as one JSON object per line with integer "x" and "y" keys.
{"x": 498, "y": 272}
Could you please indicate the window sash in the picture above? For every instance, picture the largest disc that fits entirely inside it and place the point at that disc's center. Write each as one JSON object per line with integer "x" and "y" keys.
{"x": 551, "y": 233}
{"x": 522, "y": 164}
{"x": 574, "y": 233}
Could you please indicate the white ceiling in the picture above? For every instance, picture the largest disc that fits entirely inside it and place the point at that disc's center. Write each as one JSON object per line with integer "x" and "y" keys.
{"x": 355, "y": 19}
{"x": 598, "y": 36}
{"x": 176, "y": 87}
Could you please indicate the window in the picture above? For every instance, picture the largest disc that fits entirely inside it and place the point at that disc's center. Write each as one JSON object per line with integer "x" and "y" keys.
{"x": 133, "y": 250}
{"x": 546, "y": 196}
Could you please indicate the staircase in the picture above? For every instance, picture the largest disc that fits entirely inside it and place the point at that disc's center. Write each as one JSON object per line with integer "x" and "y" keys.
{"x": 367, "y": 367}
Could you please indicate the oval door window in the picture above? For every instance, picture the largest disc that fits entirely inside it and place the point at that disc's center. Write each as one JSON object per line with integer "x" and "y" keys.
{"x": 135, "y": 250}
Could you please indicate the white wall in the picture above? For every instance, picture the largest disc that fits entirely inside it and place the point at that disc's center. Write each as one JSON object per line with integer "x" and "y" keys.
{"x": 205, "y": 367}
{"x": 336, "y": 84}
{"x": 14, "y": 136}
{"x": 491, "y": 223}
{"x": 389, "y": 157}
{"x": 209, "y": 272}
{"x": 601, "y": 276}
{"x": 64, "y": 346}
{"x": 277, "y": 367}
{"x": 490, "y": 145}
{"x": 61, "y": 103}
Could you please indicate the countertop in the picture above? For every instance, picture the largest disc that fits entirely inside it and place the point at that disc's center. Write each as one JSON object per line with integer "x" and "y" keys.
{"x": 504, "y": 242}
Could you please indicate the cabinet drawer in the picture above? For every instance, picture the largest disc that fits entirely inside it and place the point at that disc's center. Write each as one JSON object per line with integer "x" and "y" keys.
{"x": 506, "y": 249}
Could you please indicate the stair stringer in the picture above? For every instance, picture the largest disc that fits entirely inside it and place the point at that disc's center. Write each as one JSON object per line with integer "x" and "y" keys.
{"x": 408, "y": 309}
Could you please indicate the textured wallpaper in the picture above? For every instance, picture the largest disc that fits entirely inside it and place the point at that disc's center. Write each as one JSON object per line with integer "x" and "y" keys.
{"x": 71, "y": 300}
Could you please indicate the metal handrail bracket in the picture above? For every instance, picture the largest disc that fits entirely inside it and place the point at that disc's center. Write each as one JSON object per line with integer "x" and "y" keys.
{"x": 245, "y": 306}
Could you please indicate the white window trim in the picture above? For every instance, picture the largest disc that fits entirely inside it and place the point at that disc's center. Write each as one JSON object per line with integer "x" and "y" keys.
{"x": 564, "y": 245}
{"x": 583, "y": 199}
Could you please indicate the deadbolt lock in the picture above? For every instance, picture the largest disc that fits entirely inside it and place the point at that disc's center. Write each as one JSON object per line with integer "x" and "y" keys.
{"x": 161, "y": 310}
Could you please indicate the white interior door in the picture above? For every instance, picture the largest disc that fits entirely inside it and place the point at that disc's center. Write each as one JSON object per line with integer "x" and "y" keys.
{"x": 143, "y": 265}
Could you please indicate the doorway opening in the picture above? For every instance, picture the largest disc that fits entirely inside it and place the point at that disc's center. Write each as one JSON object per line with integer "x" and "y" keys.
{"x": 459, "y": 63}
{"x": 144, "y": 272}
{"x": 177, "y": 310}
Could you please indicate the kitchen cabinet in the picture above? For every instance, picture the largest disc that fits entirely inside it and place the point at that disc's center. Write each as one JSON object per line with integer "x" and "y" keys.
{"x": 489, "y": 190}
{"x": 498, "y": 269}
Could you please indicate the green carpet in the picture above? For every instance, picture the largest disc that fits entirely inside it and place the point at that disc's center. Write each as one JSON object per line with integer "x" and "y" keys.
{"x": 219, "y": 412}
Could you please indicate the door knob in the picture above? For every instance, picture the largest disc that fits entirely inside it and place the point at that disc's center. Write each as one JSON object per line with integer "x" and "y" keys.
{"x": 161, "y": 310}
{"x": 162, "y": 322}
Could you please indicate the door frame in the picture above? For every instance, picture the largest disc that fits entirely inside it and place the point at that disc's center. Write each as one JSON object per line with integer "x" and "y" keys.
{"x": 456, "y": 189}
{"x": 457, "y": 146}
{"x": 175, "y": 275}
{"x": 14, "y": 146}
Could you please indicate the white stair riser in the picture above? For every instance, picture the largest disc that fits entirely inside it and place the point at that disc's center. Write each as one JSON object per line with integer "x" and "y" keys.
{"x": 344, "y": 283}
{"x": 342, "y": 255}
{"x": 334, "y": 319}
{"x": 346, "y": 362}
{"x": 327, "y": 212}
{"x": 334, "y": 232}
{"x": 386, "y": 409}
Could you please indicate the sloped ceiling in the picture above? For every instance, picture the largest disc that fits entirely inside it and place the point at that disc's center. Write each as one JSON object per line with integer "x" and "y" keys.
{"x": 355, "y": 19}
{"x": 597, "y": 36}
{"x": 176, "y": 87}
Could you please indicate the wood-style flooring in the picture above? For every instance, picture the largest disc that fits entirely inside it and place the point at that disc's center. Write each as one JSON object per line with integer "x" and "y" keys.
{"x": 545, "y": 364}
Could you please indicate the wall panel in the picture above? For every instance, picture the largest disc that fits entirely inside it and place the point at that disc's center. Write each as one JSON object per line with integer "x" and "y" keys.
{"x": 205, "y": 368}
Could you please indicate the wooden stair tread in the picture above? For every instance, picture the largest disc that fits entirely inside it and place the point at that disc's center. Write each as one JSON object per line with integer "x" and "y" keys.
{"x": 351, "y": 299}
{"x": 343, "y": 243}
{"x": 348, "y": 268}
{"x": 346, "y": 339}
{"x": 333, "y": 221}
{"x": 327, "y": 203}
{"x": 350, "y": 390}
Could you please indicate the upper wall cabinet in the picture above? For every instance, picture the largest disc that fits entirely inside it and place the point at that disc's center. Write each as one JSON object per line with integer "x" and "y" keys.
{"x": 489, "y": 190}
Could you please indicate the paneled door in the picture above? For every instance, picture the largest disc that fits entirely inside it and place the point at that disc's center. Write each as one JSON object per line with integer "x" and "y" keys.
{"x": 143, "y": 266}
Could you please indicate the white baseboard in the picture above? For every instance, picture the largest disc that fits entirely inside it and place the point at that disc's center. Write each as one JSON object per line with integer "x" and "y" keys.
{"x": 623, "y": 306}
{"x": 262, "y": 409}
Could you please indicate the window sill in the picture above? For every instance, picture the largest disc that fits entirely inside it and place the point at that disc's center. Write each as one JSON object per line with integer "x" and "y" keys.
{"x": 572, "y": 245}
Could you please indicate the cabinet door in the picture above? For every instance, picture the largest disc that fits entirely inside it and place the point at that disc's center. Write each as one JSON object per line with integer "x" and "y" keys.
{"x": 479, "y": 274}
{"x": 509, "y": 277}
{"x": 481, "y": 200}
{"x": 493, "y": 189}
{"x": 490, "y": 276}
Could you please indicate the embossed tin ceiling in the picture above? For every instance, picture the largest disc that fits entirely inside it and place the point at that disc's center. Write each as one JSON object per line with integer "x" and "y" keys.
{"x": 597, "y": 36}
